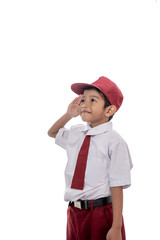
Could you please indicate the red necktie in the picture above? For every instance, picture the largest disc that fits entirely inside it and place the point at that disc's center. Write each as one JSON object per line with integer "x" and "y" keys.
{"x": 79, "y": 173}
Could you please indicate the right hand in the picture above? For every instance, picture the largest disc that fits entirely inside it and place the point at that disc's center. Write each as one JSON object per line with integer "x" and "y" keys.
{"x": 74, "y": 107}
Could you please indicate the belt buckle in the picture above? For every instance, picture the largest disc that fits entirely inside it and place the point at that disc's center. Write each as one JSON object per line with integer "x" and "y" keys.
{"x": 77, "y": 204}
{"x": 85, "y": 204}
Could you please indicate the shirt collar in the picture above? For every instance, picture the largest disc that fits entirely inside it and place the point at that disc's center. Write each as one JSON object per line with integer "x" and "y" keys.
{"x": 102, "y": 128}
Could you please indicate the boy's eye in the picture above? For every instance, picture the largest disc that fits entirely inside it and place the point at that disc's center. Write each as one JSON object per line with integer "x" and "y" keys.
{"x": 93, "y": 100}
{"x": 82, "y": 100}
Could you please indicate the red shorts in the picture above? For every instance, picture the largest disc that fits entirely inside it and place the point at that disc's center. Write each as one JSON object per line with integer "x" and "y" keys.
{"x": 92, "y": 224}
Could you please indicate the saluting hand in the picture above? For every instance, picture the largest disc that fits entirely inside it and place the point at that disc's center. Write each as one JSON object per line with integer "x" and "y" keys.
{"x": 74, "y": 107}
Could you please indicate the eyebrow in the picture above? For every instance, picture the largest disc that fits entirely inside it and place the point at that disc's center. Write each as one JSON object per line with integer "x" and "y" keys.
{"x": 91, "y": 96}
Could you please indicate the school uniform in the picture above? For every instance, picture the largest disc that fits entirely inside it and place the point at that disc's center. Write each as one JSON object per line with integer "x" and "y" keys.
{"x": 108, "y": 165}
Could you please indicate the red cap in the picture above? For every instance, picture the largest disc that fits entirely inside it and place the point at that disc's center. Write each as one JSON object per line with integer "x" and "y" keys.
{"x": 107, "y": 87}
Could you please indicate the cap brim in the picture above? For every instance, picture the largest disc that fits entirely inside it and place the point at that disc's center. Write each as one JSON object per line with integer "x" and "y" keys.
{"x": 78, "y": 88}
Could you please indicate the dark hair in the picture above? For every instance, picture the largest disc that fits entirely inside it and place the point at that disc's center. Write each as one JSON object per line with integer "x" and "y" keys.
{"x": 106, "y": 101}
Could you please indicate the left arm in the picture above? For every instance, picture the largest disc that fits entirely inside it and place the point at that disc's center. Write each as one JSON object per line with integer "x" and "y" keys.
{"x": 117, "y": 205}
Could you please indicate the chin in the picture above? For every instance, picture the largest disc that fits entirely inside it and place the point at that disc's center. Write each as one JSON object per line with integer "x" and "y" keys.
{"x": 84, "y": 119}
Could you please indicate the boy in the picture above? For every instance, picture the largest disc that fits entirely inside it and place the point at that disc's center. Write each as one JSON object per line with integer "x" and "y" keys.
{"x": 99, "y": 163}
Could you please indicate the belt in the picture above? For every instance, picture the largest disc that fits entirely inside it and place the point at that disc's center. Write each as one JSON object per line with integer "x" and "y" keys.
{"x": 86, "y": 204}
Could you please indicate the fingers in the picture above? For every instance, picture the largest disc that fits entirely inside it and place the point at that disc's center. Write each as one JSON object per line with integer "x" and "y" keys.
{"x": 77, "y": 100}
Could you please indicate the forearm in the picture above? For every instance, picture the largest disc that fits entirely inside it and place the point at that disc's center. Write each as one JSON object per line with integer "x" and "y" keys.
{"x": 117, "y": 205}
{"x": 52, "y": 132}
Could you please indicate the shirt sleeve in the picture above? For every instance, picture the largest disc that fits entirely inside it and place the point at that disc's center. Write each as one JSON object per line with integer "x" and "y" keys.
{"x": 120, "y": 165}
{"x": 62, "y": 137}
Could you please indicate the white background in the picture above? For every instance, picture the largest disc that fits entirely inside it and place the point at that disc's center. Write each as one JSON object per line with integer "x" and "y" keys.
{"x": 45, "y": 46}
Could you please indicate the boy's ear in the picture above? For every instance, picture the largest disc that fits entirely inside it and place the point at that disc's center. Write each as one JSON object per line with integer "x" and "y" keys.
{"x": 110, "y": 110}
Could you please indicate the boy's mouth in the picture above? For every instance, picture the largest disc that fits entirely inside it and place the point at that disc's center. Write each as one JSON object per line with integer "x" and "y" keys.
{"x": 84, "y": 111}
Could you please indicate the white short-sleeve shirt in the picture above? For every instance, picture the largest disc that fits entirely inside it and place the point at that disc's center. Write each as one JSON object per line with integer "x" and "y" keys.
{"x": 108, "y": 164}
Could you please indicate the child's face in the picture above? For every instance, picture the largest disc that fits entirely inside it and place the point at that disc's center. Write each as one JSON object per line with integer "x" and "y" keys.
{"x": 92, "y": 108}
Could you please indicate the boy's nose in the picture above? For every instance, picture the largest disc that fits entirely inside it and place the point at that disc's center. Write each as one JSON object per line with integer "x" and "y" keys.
{"x": 85, "y": 104}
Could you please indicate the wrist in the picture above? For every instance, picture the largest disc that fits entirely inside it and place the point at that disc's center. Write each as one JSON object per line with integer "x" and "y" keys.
{"x": 117, "y": 226}
{"x": 68, "y": 116}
